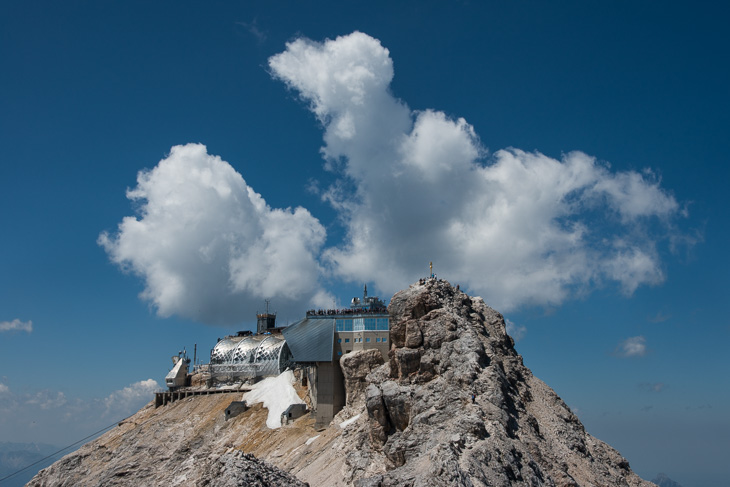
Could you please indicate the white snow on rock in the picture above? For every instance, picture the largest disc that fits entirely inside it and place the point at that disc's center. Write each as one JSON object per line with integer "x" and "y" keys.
{"x": 311, "y": 440}
{"x": 277, "y": 394}
{"x": 348, "y": 422}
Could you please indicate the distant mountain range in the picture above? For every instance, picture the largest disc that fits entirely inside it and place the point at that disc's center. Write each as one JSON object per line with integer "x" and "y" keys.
{"x": 663, "y": 481}
{"x": 14, "y": 456}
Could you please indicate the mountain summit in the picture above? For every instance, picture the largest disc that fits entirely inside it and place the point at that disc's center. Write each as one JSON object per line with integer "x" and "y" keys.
{"x": 456, "y": 406}
{"x": 453, "y": 406}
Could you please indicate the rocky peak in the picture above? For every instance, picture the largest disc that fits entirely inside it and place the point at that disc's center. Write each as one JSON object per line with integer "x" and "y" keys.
{"x": 455, "y": 405}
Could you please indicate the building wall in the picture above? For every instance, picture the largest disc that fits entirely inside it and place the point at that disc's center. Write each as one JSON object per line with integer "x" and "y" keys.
{"x": 362, "y": 332}
{"x": 352, "y": 341}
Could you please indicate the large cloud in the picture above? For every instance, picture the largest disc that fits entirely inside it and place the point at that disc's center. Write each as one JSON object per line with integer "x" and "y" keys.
{"x": 519, "y": 228}
{"x": 209, "y": 247}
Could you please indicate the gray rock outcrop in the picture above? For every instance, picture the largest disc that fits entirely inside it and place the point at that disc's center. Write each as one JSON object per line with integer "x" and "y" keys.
{"x": 236, "y": 469}
{"x": 425, "y": 429}
{"x": 356, "y": 367}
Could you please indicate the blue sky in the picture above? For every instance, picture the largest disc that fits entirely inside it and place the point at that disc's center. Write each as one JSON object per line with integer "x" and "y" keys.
{"x": 437, "y": 132}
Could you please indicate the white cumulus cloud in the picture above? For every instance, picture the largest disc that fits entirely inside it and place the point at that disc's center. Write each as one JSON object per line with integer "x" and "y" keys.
{"x": 516, "y": 227}
{"x": 208, "y": 246}
{"x": 129, "y": 399}
{"x": 632, "y": 347}
{"x": 46, "y": 399}
{"x": 16, "y": 325}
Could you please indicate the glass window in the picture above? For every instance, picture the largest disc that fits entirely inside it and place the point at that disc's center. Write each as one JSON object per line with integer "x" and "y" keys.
{"x": 339, "y": 352}
{"x": 339, "y": 340}
{"x": 377, "y": 339}
{"x": 358, "y": 324}
{"x": 343, "y": 324}
{"x": 382, "y": 324}
{"x": 347, "y": 340}
{"x": 367, "y": 340}
{"x": 385, "y": 339}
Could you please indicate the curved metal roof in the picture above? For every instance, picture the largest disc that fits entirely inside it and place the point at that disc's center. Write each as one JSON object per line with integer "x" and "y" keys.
{"x": 245, "y": 350}
{"x": 223, "y": 349}
{"x": 263, "y": 354}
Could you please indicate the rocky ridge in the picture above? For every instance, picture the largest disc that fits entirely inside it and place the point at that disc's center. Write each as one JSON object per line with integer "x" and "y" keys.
{"x": 425, "y": 428}
{"x": 408, "y": 421}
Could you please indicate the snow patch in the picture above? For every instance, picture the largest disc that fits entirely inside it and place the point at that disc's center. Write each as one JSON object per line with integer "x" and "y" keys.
{"x": 348, "y": 422}
{"x": 277, "y": 394}
{"x": 311, "y": 440}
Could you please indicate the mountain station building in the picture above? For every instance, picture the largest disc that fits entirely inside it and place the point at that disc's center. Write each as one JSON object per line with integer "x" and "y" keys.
{"x": 314, "y": 345}
{"x": 319, "y": 340}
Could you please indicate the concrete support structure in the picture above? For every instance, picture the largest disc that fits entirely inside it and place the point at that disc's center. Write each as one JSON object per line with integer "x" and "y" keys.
{"x": 330, "y": 392}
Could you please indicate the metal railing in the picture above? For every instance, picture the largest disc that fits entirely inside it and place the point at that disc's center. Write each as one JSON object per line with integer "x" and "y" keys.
{"x": 243, "y": 370}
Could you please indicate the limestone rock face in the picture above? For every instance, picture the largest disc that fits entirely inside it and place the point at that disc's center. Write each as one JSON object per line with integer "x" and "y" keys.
{"x": 424, "y": 428}
{"x": 235, "y": 468}
{"x": 355, "y": 368}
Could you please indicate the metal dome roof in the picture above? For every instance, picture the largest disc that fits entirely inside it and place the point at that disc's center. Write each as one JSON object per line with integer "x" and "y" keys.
{"x": 254, "y": 356}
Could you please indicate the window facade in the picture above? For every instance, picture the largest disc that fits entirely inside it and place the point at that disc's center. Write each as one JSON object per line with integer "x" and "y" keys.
{"x": 359, "y": 323}
{"x": 362, "y": 331}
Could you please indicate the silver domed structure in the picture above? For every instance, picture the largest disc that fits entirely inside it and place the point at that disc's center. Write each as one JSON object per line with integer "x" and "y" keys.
{"x": 250, "y": 356}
